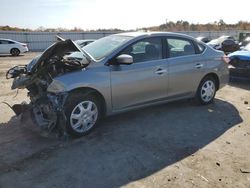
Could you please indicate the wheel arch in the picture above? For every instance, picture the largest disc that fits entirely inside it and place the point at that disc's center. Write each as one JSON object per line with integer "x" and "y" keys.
{"x": 15, "y": 48}
{"x": 92, "y": 91}
{"x": 216, "y": 78}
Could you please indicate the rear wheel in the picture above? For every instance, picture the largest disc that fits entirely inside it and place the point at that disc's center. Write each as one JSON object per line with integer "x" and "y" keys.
{"x": 83, "y": 113}
{"x": 15, "y": 51}
{"x": 206, "y": 90}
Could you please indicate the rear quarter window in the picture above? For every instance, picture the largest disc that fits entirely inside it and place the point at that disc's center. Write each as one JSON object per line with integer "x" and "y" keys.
{"x": 201, "y": 48}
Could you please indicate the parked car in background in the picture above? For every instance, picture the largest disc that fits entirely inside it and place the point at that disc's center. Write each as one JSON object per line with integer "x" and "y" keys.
{"x": 203, "y": 39}
{"x": 245, "y": 42}
{"x": 8, "y": 46}
{"x": 228, "y": 45}
{"x": 85, "y": 42}
{"x": 239, "y": 65}
{"x": 243, "y": 35}
{"x": 115, "y": 74}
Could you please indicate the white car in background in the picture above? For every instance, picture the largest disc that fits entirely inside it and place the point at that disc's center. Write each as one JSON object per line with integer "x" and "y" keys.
{"x": 8, "y": 46}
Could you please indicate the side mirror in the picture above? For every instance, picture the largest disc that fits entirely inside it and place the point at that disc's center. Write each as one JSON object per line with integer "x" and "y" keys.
{"x": 124, "y": 59}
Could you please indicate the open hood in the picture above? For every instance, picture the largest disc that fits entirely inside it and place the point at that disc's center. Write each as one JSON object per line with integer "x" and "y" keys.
{"x": 59, "y": 49}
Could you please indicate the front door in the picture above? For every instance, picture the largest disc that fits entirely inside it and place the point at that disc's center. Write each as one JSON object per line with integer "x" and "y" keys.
{"x": 145, "y": 80}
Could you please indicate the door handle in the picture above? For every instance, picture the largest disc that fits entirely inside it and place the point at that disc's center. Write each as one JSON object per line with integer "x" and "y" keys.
{"x": 198, "y": 66}
{"x": 160, "y": 71}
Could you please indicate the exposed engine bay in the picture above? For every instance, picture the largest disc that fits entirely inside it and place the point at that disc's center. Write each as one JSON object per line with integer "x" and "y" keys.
{"x": 46, "y": 108}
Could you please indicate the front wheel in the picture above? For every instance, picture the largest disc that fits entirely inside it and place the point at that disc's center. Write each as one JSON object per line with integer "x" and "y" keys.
{"x": 206, "y": 90}
{"x": 82, "y": 113}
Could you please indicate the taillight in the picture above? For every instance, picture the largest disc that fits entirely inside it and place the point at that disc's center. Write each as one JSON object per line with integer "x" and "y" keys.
{"x": 225, "y": 59}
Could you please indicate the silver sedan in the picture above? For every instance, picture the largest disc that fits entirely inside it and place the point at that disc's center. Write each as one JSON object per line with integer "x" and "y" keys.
{"x": 118, "y": 73}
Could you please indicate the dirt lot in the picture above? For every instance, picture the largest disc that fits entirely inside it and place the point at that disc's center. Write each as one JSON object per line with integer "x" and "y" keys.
{"x": 173, "y": 145}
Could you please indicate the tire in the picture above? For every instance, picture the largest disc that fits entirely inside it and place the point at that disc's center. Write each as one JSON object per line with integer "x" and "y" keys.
{"x": 82, "y": 112}
{"x": 15, "y": 51}
{"x": 206, "y": 90}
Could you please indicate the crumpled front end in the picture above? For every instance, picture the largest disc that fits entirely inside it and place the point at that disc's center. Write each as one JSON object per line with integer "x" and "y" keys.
{"x": 47, "y": 95}
{"x": 48, "y": 112}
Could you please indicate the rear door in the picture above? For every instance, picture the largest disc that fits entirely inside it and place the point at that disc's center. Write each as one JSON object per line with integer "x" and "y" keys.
{"x": 186, "y": 66}
{"x": 143, "y": 81}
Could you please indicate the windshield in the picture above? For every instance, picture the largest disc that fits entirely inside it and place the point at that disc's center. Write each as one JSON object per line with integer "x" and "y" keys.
{"x": 104, "y": 46}
{"x": 76, "y": 55}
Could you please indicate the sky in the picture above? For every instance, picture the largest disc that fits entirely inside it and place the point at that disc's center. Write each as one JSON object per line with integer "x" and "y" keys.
{"x": 122, "y": 14}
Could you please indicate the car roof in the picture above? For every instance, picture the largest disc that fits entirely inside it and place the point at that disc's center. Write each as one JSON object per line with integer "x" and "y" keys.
{"x": 9, "y": 40}
{"x": 143, "y": 34}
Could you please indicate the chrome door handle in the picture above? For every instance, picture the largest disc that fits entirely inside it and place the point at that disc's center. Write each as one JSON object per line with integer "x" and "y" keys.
{"x": 160, "y": 71}
{"x": 198, "y": 66}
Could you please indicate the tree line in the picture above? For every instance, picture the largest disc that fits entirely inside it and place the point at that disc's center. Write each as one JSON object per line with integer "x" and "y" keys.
{"x": 167, "y": 26}
{"x": 186, "y": 26}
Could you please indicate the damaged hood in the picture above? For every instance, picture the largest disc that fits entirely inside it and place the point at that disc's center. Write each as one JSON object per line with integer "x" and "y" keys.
{"x": 60, "y": 49}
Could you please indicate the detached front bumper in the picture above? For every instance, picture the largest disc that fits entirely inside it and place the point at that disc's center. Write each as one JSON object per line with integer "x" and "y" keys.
{"x": 49, "y": 112}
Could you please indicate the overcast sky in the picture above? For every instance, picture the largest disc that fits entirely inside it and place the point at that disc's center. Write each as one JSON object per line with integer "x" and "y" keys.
{"x": 123, "y": 14}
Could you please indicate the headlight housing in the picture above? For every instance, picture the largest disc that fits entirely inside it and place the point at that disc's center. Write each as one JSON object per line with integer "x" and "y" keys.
{"x": 56, "y": 87}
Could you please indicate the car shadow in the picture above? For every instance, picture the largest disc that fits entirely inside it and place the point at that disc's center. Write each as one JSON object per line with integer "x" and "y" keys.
{"x": 9, "y": 55}
{"x": 130, "y": 146}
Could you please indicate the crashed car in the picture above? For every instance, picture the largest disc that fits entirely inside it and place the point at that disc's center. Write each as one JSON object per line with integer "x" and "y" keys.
{"x": 245, "y": 42}
{"x": 37, "y": 77}
{"x": 225, "y": 43}
{"x": 239, "y": 65}
{"x": 71, "y": 88}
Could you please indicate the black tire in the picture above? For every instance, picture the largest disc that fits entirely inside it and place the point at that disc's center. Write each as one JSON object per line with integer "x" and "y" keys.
{"x": 73, "y": 100}
{"x": 15, "y": 51}
{"x": 201, "y": 94}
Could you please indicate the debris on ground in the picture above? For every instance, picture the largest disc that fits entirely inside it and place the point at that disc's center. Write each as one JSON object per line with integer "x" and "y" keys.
{"x": 244, "y": 171}
{"x": 203, "y": 177}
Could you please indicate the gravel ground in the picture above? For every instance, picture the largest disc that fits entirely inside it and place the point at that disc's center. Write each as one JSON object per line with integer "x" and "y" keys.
{"x": 177, "y": 144}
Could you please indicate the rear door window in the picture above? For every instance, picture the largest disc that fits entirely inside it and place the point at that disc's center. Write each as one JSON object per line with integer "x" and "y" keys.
{"x": 180, "y": 47}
